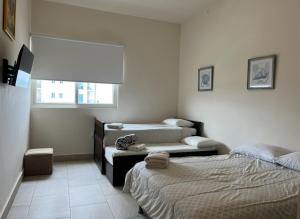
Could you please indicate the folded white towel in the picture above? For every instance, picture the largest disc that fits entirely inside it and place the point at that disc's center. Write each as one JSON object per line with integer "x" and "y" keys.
{"x": 157, "y": 156}
{"x": 157, "y": 160}
{"x": 115, "y": 126}
{"x": 137, "y": 147}
{"x": 157, "y": 166}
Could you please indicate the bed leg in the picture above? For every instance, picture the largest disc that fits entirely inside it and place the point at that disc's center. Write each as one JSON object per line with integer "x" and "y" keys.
{"x": 141, "y": 211}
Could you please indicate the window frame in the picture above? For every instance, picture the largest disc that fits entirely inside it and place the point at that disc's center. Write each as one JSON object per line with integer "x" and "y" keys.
{"x": 34, "y": 104}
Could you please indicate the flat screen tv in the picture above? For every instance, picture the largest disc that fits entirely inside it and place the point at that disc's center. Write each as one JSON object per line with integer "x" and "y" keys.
{"x": 19, "y": 74}
{"x": 23, "y": 67}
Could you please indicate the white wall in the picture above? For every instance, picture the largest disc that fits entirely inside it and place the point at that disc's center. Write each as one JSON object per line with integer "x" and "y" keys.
{"x": 149, "y": 93}
{"x": 226, "y": 36}
{"x": 14, "y": 107}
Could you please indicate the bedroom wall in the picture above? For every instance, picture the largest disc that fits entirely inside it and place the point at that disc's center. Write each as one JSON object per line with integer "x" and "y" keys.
{"x": 149, "y": 93}
{"x": 226, "y": 36}
{"x": 14, "y": 107}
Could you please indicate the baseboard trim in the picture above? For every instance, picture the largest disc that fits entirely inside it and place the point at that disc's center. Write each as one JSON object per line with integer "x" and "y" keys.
{"x": 73, "y": 157}
{"x": 12, "y": 195}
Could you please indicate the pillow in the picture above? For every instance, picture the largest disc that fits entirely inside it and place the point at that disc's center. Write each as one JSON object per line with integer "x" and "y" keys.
{"x": 291, "y": 160}
{"x": 122, "y": 143}
{"x": 199, "y": 142}
{"x": 178, "y": 122}
{"x": 261, "y": 151}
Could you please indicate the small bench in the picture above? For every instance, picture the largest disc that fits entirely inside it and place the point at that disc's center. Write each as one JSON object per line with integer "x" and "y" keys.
{"x": 38, "y": 161}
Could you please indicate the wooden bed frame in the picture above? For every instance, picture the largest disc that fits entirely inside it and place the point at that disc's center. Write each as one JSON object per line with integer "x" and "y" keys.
{"x": 116, "y": 173}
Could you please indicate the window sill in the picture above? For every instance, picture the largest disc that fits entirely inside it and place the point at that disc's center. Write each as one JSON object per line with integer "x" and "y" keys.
{"x": 74, "y": 106}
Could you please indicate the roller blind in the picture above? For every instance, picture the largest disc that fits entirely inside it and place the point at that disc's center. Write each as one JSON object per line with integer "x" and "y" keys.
{"x": 71, "y": 60}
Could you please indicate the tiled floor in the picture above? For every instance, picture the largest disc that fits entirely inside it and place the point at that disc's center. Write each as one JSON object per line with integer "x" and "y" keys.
{"x": 74, "y": 190}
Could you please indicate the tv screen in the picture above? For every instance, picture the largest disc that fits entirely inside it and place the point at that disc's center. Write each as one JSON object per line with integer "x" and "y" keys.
{"x": 23, "y": 67}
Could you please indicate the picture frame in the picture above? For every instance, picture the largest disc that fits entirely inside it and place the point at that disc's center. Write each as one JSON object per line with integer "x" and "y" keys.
{"x": 9, "y": 18}
{"x": 261, "y": 72}
{"x": 206, "y": 78}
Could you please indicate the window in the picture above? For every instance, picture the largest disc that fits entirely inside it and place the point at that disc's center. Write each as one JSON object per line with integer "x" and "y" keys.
{"x": 92, "y": 93}
{"x": 72, "y": 93}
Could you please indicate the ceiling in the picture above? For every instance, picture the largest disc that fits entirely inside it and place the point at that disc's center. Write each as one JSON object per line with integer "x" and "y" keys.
{"x": 174, "y": 11}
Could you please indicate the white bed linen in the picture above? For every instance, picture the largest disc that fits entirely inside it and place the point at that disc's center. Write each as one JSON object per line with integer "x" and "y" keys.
{"x": 224, "y": 186}
{"x": 112, "y": 151}
{"x": 148, "y": 133}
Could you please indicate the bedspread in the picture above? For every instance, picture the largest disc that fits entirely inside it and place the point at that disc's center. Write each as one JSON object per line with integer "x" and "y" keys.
{"x": 224, "y": 186}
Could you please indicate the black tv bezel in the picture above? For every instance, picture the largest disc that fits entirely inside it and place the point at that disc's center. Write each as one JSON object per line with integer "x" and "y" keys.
{"x": 10, "y": 73}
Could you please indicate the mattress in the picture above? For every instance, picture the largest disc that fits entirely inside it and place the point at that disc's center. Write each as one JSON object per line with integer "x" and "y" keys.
{"x": 223, "y": 186}
{"x": 149, "y": 133}
{"x": 112, "y": 151}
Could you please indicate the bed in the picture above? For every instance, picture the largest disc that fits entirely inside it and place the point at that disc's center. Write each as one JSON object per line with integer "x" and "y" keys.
{"x": 223, "y": 186}
{"x": 158, "y": 137}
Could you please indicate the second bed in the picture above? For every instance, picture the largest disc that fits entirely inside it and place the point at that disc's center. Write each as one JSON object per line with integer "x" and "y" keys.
{"x": 224, "y": 186}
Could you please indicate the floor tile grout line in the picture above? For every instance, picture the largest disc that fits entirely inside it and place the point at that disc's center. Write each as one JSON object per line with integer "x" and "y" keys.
{"x": 108, "y": 205}
{"x": 89, "y": 204}
{"x": 29, "y": 207}
{"x": 69, "y": 191}
{"x": 107, "y": 201}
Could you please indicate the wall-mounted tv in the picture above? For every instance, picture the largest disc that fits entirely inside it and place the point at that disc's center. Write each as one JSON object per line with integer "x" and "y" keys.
{"x": 19, "y": 74}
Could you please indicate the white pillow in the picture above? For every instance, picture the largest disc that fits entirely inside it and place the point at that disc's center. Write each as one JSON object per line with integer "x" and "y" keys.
{"x": 291, "y": 160}
{"x": 178, "y": 122}
{"x": 261, "y": 151}
{"x": 199, "y": 142}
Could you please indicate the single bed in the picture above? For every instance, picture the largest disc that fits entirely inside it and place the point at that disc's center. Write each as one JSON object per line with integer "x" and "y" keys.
{"x": 158, "y": 137}
{"x": 149, "y": 133}
{"x": 224, "y": 186}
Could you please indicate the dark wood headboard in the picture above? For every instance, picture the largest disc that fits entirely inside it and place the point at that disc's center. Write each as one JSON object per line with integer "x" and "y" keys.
{"x": 199, "y": 127}
{"x": 98, "y": 145}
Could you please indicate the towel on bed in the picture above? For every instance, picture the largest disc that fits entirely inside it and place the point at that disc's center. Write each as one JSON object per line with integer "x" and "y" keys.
{"x": 115, "y": 126}
{"x": 137, "y": 147}
{"x": 158, "y": 160}
{"x": 122, "y": 143}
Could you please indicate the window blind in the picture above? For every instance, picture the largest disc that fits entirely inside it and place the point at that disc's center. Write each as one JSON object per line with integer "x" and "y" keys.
{"x": 79, "y": 61}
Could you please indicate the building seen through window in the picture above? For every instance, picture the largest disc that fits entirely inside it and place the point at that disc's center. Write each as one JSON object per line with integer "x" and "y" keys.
{"x": 63, "y": 92}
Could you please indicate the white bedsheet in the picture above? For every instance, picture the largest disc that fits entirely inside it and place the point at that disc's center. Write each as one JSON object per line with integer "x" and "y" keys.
{"x": 112, "y": 151}
{"x": 149, "y": 133}
{"x": 236, "y": 187}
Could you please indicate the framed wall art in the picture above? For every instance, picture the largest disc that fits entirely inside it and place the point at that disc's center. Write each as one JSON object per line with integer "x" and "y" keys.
{"x": 261, "y": 72}
{"x": 9, "y": 18}
{"x": 205, "y": 78}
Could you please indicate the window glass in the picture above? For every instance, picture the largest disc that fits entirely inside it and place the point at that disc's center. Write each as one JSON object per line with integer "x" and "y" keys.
{"x": 91, "y": 93}
{"x": 63, "y": 92}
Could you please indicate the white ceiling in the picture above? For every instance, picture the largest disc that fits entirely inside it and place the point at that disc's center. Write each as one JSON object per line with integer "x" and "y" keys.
{"x": 175, "y": 11}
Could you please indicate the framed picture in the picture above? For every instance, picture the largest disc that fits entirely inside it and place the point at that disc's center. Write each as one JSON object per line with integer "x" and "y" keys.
{"x": 9, "y": 18}
{"x": 205, "y": 78}
{"x": 261, "y": 72}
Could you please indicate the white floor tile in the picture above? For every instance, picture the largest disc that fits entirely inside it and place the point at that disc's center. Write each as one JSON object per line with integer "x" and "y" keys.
{"x": 80, "y": 171}
{"x": 25, "y": 193}
{"x": 85, "y": 195}
{"x": 108, "y": 189}
{"x": 18, "y": 212}
{"x": 60, "y": 171}
{"x": 83, "y": 181}
{"x": 51, "y": 187}
{"x": 97, "y": 172}
{"x": 92, "y": 212}
{"x": 123, "y": 205}
{"x": 52, "y": 206}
